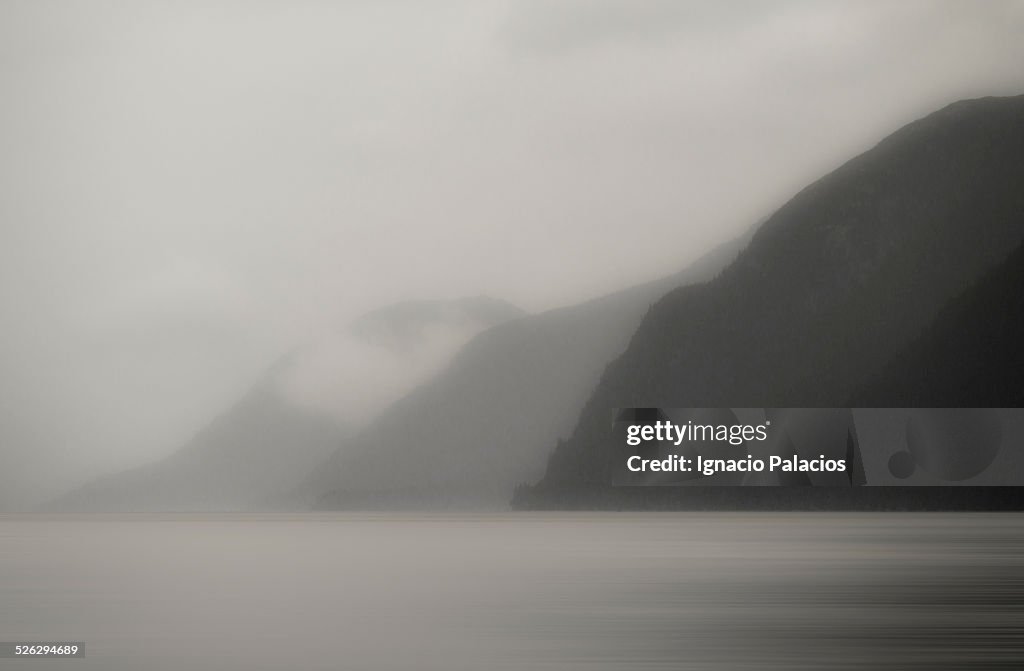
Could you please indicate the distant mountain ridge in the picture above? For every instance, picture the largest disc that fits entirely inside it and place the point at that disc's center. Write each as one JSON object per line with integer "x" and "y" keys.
{"x": 403, "y": 324}
{"x": 233, "y": 464}
{"x": 298, "y": 414}
{"x": 831, "y": 288}
{"x": 356, "y": 372}
{"x": 487, "y": 422}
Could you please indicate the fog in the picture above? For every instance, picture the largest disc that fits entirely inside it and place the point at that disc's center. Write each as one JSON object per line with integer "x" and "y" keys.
{"x": 190, "y": 190}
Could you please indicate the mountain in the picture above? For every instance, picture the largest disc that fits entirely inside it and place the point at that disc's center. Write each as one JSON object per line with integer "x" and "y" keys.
{"x": 830, "y": 289}
{"x": 303, "y": 408}
{"x": 487, "y": 422}
{"x": 260, "y": 446}
{"x": 972, "y": 355}
{"x": 355, "y": 373}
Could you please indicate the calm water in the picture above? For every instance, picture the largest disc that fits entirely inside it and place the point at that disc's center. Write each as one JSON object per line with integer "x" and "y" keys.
{"x": 518, "y": 591}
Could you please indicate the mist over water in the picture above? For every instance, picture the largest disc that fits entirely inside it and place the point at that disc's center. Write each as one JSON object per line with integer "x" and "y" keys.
{"x": 513, "y": 591}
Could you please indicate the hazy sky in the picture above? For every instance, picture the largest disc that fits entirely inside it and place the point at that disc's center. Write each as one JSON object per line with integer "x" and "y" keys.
{"x": 187, "y": 189}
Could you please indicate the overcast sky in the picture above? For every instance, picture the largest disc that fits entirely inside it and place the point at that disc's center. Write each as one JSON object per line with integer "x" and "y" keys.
{"x": 187, "y": 189}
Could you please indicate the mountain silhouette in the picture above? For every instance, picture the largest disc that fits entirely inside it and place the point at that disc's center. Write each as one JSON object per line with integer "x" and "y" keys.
{"x": 832, "y": 287}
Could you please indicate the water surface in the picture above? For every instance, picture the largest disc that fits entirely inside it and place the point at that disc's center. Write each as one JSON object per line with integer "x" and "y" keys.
{"x": 517, "y": 591}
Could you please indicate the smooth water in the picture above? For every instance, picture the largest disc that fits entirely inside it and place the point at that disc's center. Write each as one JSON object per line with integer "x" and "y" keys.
{"x": 517, "y": 591}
